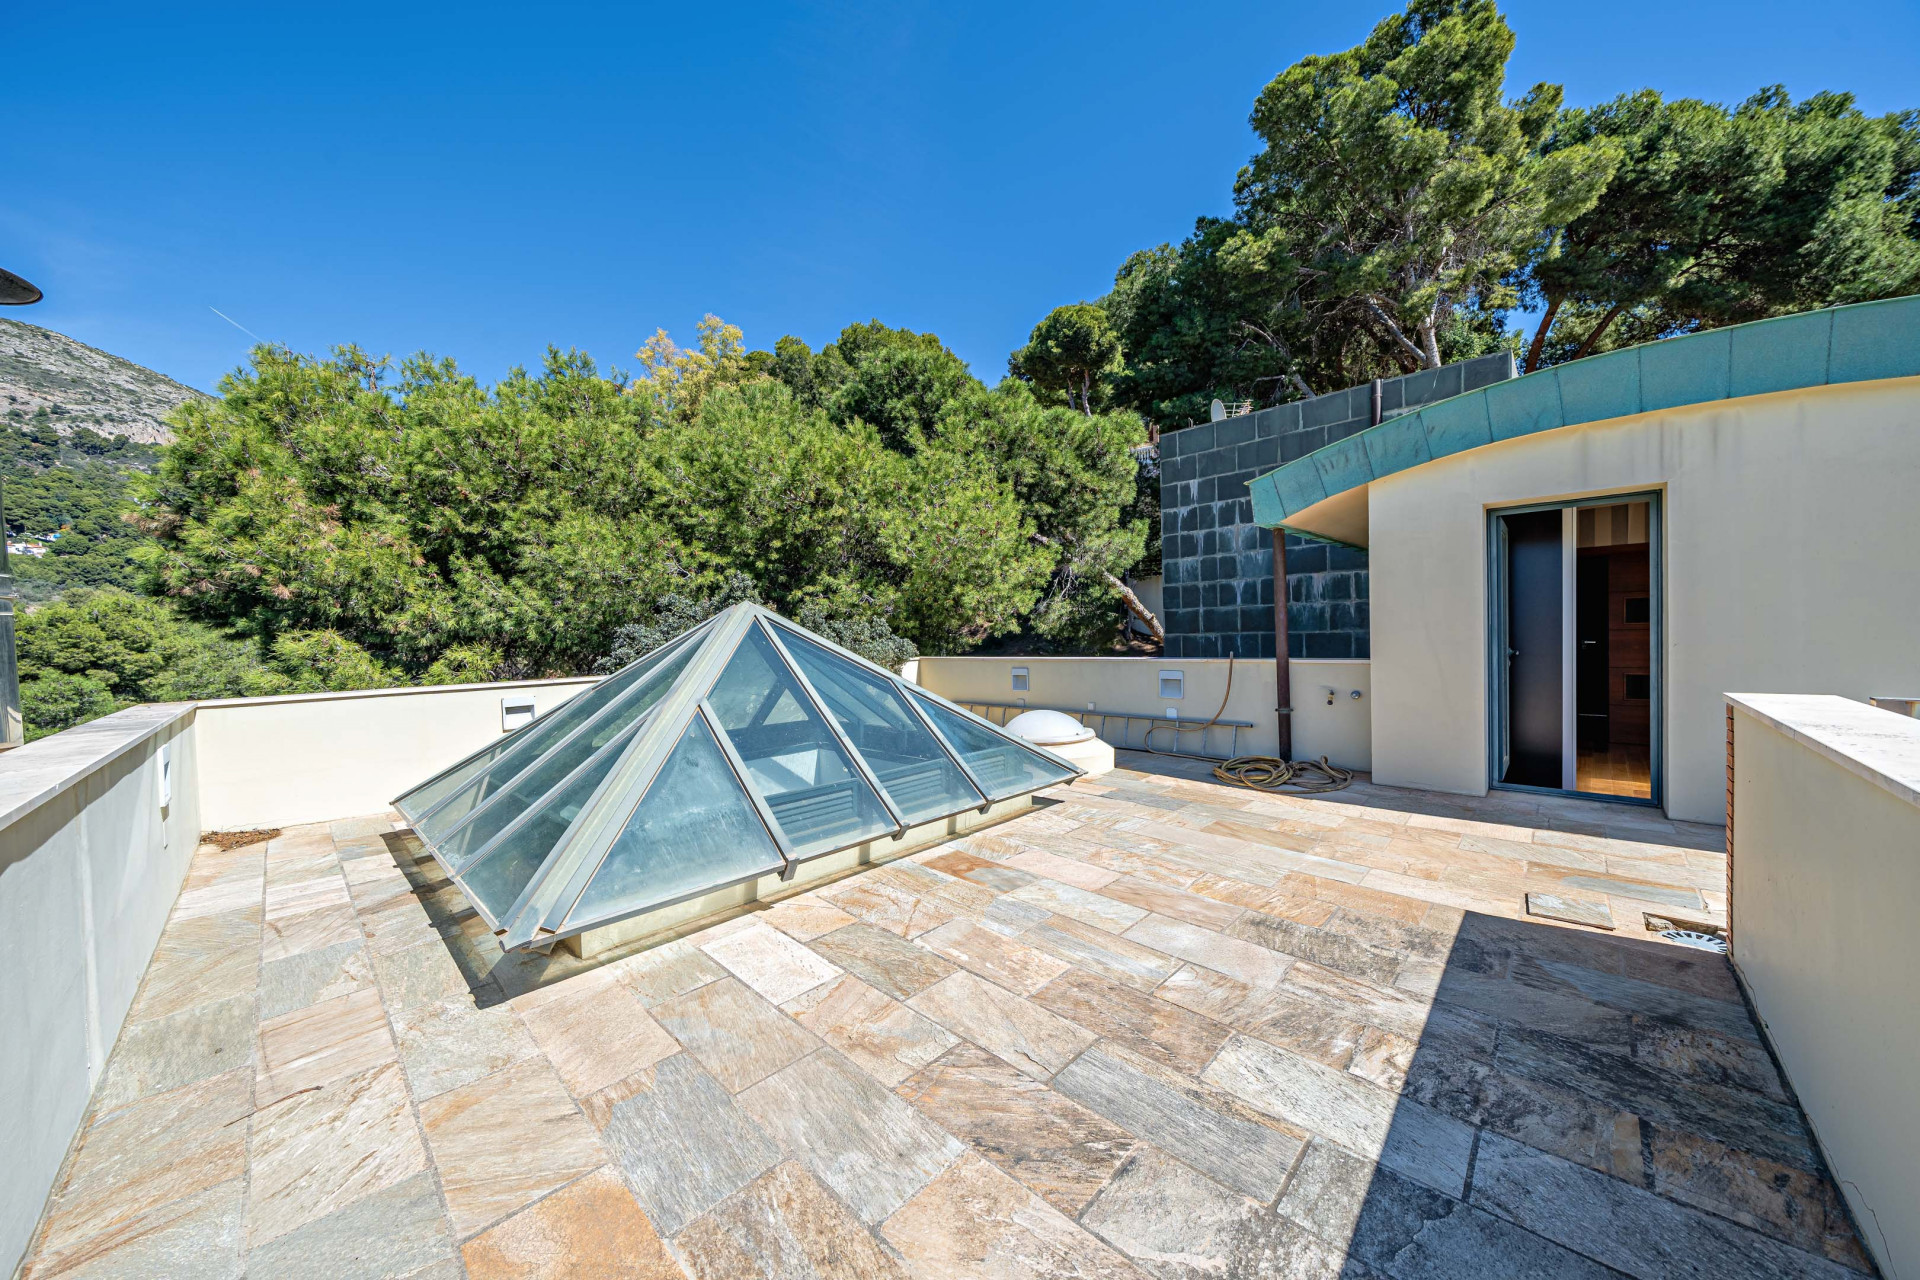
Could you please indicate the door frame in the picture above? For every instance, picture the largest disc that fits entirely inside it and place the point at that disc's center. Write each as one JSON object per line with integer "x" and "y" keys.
{"x": 1497, "y": 633}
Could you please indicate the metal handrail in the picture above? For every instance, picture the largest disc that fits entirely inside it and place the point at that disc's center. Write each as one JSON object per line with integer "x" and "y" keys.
{"x": 1127, "y": 719}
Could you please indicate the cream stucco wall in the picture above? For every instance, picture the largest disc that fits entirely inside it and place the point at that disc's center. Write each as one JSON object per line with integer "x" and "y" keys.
{"x": 91, "y": 861}
{"x": 1336, "y": 728}
{"x": 1791, "y": 525}
{"x": 1826, "y": 870}
{"x": 274, "y": 762}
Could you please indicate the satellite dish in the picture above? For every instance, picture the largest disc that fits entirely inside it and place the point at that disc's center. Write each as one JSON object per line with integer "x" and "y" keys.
{"x": 15, "y": 292}
{"x": 1219, "y": 413}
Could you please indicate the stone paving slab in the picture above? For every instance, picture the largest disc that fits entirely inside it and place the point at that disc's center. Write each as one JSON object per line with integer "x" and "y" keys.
{"x": 1160, "y": 1027}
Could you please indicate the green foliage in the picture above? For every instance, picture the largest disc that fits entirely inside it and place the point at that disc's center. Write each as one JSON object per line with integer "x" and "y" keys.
{"x": 1399, "y": 186}
{"x": 675, "y": 614}
{"x": 1070, "y": 355}
{"x": 464, "y": 664}
{"x": 418, "y": 518}
{"x": 318, "y": 661}
{"x": 893, "y": 380}
{"x": 1074, "y": 478}
{"x": 77, "y": 487}
{"x": 1721, "y": 216}
{"x": 866, "y": 634}
{"x": 125, "y": 642}
{"x": 1399, "y": 206}
{"x": 451, "y": 532}
{"x": 60, "y": 700}
{"x": 131, "y": 649}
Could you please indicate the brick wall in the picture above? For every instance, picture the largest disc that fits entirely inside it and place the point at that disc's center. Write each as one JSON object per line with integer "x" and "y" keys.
{"x": 1218, "y": 564}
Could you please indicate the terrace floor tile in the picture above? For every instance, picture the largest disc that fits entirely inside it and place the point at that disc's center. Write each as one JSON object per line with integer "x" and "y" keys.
{"x": 596, "y": 1036}
{"x": 888, "y": 1040}
{"x": 681, "y": 1143}
{"x": 324, "y": 1042}
{"x": 504, "y": 1141}
{"x": 976, "y": 1221}
{"x": 785, "y": 1224}
{"x": 1099, "y": 1039}
{"x": 324, "y": 1147}
{"x": 873, "y": 1149}
{"x": 1004, "y": 1024}
{"x": 454, "y": 1042}
{"x": 592, "y": 1227}
{"x": 136, "y": 1160}
{"x": 883, "y": 959}
{"x": 734, "y": 1033}
{"x": 1055, "y": 1146}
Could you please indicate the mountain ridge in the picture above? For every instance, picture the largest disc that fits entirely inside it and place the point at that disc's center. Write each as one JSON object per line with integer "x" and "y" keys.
{"x": 47, "y": 376}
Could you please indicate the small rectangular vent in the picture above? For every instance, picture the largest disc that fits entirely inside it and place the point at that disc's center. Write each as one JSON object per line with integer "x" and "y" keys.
{"x": 1172, "y": 684}
{"x": 1020, "y": 680}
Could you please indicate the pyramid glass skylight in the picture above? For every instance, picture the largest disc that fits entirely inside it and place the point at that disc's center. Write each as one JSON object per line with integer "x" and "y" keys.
{"x": 735, "y": 751}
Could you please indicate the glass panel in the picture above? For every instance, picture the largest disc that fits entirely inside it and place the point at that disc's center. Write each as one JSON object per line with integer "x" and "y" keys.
{"x": 509, "y": 803}
{"x": 909, "y": 761}
{"x": 791, "y": 755}
{"x": 694, "y": 830}
{"x": 1003, "y": 765}
{"x": 497, "y": 880}
{"x": 646, "y": 679}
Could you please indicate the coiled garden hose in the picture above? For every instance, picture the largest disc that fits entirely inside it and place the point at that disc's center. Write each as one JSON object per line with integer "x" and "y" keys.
{"x": 1271, "y": 773}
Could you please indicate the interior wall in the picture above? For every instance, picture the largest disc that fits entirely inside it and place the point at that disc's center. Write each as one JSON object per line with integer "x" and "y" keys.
{"x": 1789, "y": 521}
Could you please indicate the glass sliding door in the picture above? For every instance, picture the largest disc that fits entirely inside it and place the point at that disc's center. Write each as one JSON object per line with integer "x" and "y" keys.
{"x": 1573, "y": 664}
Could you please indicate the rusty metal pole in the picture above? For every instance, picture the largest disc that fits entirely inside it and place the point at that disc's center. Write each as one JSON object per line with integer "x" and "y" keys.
{"x": 1282, "y": 673}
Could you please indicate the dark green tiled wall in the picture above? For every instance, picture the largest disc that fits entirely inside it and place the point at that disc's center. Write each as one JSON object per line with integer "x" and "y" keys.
{"x": 1218, "y": 563}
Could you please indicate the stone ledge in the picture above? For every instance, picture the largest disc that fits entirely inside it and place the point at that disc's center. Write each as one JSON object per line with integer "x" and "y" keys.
{"x": 1880, "y": 746}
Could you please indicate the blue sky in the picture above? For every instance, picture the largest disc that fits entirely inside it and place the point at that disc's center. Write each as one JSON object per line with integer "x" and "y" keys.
{"x": 482, "y": 180}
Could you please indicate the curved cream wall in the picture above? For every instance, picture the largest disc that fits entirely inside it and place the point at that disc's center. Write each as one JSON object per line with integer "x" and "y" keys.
{"x": 1792, "y": 553}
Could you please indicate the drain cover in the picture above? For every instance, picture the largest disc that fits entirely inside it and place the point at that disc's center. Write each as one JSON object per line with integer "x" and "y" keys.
{"x": 1692, "y": 938}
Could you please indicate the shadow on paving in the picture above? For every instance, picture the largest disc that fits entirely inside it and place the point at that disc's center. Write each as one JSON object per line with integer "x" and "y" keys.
{"x": 1573, "y": 1105}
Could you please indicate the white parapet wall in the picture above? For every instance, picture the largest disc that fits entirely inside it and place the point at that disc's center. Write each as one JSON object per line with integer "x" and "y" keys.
{"x": 94, "y": 846}
{"x": 1327, "y": 719}
{"x": 1825, "y": 797}
{"x": 274, "y": 762}
{"x": 97, "y": 826}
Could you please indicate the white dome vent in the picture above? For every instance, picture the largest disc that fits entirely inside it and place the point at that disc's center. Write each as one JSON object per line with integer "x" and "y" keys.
{"x": 1048, "y": 728}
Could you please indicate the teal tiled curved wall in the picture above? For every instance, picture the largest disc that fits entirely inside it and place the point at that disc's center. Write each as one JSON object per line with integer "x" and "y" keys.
{"x": 1819, "y": 348}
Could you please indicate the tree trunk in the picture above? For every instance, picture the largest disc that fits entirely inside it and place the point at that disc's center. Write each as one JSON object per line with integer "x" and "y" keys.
{"x": 1430, "y": 343}
{"x": 1086, "y": 393}
{"x": 1136, "y": 607}
{"x": 1300, "y": 385}
{"x": 1586, "y": 347}
{"x": 1539, "y": 342}
{"x": 1400, "y": 339}
{"x": 1127, "y": 597}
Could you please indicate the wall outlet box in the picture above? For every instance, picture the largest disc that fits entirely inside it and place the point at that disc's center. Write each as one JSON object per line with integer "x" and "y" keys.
{"x": 516, "y": 712}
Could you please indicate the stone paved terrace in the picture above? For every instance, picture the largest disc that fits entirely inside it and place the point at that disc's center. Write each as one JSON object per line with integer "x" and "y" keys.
{"x": 1163, "y": 1027}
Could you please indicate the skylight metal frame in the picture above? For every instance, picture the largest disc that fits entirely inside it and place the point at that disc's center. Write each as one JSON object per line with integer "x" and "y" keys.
{"x": 503, "y": 747}
{"x": 548, "y": 906}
